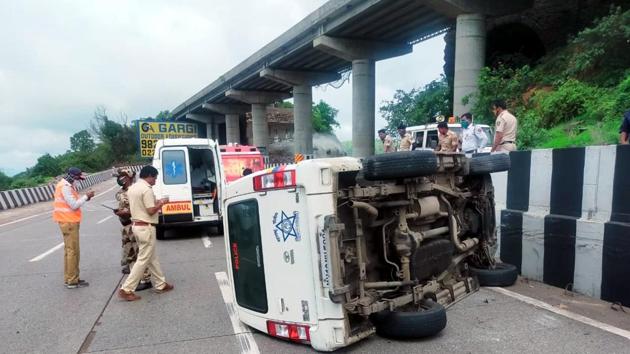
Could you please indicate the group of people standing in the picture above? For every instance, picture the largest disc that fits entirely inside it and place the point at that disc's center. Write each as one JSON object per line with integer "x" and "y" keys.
{"x": 138, "y": 213}
{"x": 472, "y": 138}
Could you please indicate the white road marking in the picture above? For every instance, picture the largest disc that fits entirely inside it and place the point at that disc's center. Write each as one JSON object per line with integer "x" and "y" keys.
{"x": 41, "y": 256}
{"x": 103, "y": 220}
{"x": 243, "y": 334}
{"x": 574, "y": 316}
{"x": 26, "y": 218}
{"x": 100, "y": 194}
{"x": 206, "y": 241}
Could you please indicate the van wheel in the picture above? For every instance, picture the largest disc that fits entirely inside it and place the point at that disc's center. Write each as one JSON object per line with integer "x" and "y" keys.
{"x": 159, "y": 233}
{"x": 503, "y": 274}
{"x": 428, "y": 321}
{"x": 402, "y": 164}
{"x": 484, "y": 164}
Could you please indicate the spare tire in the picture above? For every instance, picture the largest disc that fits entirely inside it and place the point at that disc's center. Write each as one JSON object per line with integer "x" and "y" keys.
{"x": 503, "y": 274}
{"x": 480, "y": 165}
{"x": 409, "y": 325}
{"x": 402, "y": 164}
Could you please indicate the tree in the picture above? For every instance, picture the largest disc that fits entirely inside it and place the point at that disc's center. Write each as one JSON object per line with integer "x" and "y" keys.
{"x": 324, "y": 117}
{"x": 418, "y": 106}
{"x": 164, "y": 115}
{"x": 5, "y": 181}
{"x": 118, "y": 138}
{"x": 82, "y": 142}
{"x": 46, "y": 166}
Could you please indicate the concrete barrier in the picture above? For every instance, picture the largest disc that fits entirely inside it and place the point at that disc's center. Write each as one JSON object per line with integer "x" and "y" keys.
{"x": 564, "y": 218}
{"x": 16, "y": 198}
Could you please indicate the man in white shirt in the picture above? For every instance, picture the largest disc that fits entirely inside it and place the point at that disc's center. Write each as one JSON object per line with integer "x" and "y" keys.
{"x": 474, "y": 139}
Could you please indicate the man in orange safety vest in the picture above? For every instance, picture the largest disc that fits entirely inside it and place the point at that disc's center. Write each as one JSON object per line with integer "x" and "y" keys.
{"x": 67, "y": 213}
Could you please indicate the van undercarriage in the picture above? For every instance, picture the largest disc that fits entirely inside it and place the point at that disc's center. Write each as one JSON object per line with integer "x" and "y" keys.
{"x": 407, "y": 237}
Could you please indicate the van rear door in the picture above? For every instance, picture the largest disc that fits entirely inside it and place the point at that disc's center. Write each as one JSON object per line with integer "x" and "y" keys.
{"x": 176, "y": 184}
{"x": 287, "y": 240}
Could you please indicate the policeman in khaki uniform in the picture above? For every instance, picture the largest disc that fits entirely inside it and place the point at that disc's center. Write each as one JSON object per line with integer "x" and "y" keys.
{"x": 124, "y": 179}
{"x": 144, "y": 209}
{"x": 405, "y": 138}
{"x": 506, "y": 127}
{"x": 449, "y": 141}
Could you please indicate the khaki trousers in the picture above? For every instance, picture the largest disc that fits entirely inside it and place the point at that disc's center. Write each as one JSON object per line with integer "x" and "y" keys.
{"x": 506, "y": 147}
{"x": 147, "y": 259}
{"x": 71, "y": 251}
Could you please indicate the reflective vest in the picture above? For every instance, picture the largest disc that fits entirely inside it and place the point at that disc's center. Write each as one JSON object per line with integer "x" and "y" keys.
{"x": 62, "y": 211}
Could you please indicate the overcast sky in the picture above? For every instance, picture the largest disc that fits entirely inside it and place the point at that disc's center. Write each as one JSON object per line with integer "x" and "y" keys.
{"x": 59, "y": 60}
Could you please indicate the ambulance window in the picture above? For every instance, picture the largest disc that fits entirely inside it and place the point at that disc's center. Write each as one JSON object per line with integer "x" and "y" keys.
{"x": 174, "y": 167}
{"x": 246, "y": 256}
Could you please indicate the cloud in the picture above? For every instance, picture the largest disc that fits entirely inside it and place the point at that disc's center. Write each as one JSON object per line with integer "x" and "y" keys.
{"x": 65, "y": 58}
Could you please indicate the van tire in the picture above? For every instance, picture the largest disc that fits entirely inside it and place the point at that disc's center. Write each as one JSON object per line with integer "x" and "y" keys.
{"x": 503, "y": 274}
{"x": 484, "y": 164}
{"x": 401, "y": 164}
{"x": 159, "y": 232}
{"x": 410, "y": 325}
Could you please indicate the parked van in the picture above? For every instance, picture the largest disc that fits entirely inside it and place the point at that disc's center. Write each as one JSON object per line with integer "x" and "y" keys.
{"x": 237, "y": 158}
{"x": 329, "y": 251}
{"x": 426, "y": 136}
{"x": 191, "y": 176}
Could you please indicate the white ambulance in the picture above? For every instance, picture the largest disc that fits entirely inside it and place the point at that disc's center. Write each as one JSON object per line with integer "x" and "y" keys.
{"x": 191, "y": 176}
{"x": 330, "y": 251}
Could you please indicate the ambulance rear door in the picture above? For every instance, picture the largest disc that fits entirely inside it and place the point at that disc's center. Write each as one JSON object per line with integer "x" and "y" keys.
{"x": 175, "y": 184}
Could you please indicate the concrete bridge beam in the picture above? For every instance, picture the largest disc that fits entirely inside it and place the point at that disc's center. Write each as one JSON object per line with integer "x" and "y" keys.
{"x": 302, "y": 83}
{"x": 209, "y": 120}
{"x": 363, "y": 55}
{"x": 258, "y": 101}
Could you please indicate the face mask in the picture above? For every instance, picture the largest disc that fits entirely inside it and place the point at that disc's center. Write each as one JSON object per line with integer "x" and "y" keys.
{"x": 465, "y": 124}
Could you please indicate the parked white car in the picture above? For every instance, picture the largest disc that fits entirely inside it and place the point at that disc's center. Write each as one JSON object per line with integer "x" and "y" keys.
{"x": 427, "y": 135}
{"x": 329, "y": 251}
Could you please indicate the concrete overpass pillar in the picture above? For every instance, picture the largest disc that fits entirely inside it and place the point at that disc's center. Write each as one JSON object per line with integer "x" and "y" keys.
{"x": 363, "y": 107}
{"x": 232, "y": 113}
{"x": 303, "y": 119}
{"x": 302, "y": 82}
{"x": 232, "y": 129}
{"x": 259, "y": 101}
{"x": 470, "y": 55}
{"x": 260, "y": 127}
{"x": 363, "y": 55}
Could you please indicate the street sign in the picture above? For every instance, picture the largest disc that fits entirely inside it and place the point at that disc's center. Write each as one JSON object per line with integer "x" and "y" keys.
{"x": 149, "y": 132}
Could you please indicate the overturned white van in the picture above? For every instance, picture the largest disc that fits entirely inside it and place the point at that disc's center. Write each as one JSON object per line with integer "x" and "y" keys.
{"x": 329, "y": 251}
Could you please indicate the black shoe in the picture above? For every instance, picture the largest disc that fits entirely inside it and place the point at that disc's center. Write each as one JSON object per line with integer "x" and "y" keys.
{"x": 125, "y": 269}
{"x": 144, "y": 286}
{"x": 80, "y": 284}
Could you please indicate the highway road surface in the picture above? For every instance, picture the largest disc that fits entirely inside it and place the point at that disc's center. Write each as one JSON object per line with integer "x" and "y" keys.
{"x": 39, "y": 315}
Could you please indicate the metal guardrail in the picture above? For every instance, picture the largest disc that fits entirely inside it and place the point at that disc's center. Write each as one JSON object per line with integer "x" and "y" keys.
{"x": 16, "y": 198}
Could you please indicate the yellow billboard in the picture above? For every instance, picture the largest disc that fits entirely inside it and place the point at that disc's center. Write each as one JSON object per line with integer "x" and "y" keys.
{"x": 150, "y": 132}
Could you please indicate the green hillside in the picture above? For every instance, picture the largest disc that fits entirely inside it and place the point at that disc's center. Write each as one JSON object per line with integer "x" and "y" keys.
{"x": 574, "y": 96}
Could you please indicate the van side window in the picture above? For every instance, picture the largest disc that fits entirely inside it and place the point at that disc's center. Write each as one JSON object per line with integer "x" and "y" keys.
{"x": 418, "y": 141}
{"x": 432, "y": 139}
{"x": 174, "y": 169}
{"x": 246, "y": 254}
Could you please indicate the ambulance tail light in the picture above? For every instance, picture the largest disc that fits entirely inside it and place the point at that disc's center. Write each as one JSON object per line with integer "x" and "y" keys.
{"x": 275, "y": 180}
{"x": 289, "y": 331}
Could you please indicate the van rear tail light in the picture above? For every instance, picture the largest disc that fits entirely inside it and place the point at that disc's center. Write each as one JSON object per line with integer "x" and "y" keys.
{"x": 289, "y": 331}
{"x": 275, "y": 180}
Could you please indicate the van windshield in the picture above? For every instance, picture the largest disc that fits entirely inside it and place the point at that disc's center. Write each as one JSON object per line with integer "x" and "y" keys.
{"x": 246, "y": 255}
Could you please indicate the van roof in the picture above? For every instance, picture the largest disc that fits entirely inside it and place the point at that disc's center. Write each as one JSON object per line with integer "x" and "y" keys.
{"x": 187, "y": 141}
{"x": 434, "y": 126}
{"x": 239, "y": 149}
